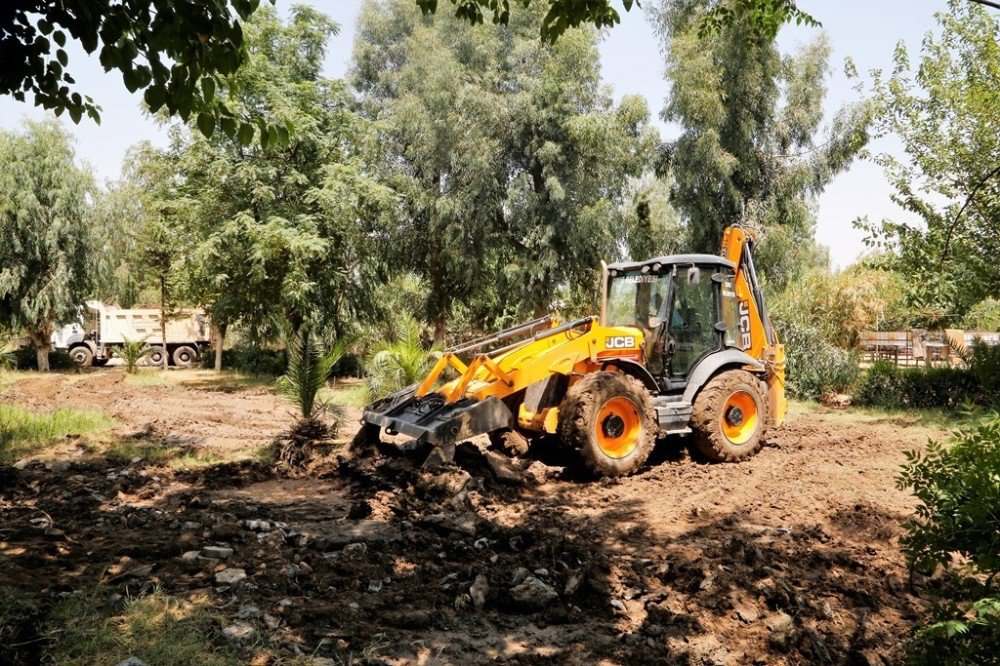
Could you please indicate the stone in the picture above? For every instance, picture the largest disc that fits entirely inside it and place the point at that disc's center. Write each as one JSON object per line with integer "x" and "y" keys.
{"x": 247, "y": 612}
{"x": 779, "y": 622}
{"x": 366, "y": 531}
{"x": 60, "y": 466}
{"x": 258, "y": 525}
{"x": 519, "y": 575}
{"x": 503, "y": 469}
{"x": 271, "y": 622}
{"x": 746, "y": 612}
{"x": 354, "y": 550}
{"x": 239, "y": 631}
{"x": 480, "y": 588}
{"x": 190, "y": 556}
{"x": 190, "y": 526}
{"x": 217, "y": 552}
{"x": 375, "y": 586}
{"x": 573, "y": 581}
{"x": 274, "y": 539}
{"x": 533, "y": 593}
{"x": 132, "y": 661}
{"x": 230, "y": 576}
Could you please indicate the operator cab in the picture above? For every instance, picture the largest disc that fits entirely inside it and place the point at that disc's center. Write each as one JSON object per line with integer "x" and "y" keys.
{"x": 685, "y": 305}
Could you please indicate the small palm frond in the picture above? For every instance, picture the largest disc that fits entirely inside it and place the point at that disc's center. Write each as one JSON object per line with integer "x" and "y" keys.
{"x": 309, "y": 366}
{"x": 7, "y": 359}
{"x": 133, "y": 351}
{"x": 393, "y": 364}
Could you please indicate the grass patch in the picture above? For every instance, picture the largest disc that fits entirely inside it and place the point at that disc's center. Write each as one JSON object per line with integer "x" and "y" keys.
{"x": 177, "y": 457}
{"x": 23, "y": 432}
{"x": 936, "y": 420}
{"x": 157, "y": 628}
{"x": 347, "y": 395}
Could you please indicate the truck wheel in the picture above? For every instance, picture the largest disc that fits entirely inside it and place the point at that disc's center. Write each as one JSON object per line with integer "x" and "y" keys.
{"x": 185, "y": 357}
{"x": 729, "y": 416}
{"x": 82, "y": 355}
{"x": 155, "y": 355}
{"x": 608, "y": 418}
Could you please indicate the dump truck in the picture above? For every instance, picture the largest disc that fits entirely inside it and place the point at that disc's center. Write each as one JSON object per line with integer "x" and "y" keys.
{"x": 683, "y": 345}
{"x": 104, "y": 328}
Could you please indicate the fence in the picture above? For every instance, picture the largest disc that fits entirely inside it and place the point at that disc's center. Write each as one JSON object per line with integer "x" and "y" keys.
{"x": 920, "y": 347}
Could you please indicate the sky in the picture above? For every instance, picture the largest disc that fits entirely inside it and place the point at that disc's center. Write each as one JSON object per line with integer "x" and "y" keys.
{"x": 631, "y": 63}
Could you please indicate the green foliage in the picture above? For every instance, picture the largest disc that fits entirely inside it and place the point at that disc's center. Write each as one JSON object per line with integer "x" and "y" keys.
{"x": 957, "y": 487}
{"x": 25, "y": 357}
{"x": 281, "y": 230}
{"x": 945, "y": 115}
{"x": 309, "y": 367}
{"x": 250, "y": 359}
{"x": 398, "y": 361}
{"x": 886, "y": 385}
{"x": 766, "y": 16}
{"x": 814, "y": 366}
{"x": 984, "y": 363}
{"x": 983, "y": 316}
{"x": 22, "y": 432}
{"x": 750, "y": 149}
{"x": 131, "y": 352}
{"x": 181, "y": 55}
{"x": 511, "y": 158}
{"x": 46, "y": 265}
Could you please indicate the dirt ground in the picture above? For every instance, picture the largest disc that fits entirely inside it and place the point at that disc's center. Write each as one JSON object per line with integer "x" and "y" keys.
{"x": 791, "y": 557}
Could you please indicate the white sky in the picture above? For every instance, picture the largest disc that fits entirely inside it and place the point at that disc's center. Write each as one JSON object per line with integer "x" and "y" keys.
{"x": 631, "y": 62}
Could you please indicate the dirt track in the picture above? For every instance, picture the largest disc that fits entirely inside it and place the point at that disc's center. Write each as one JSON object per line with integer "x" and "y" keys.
{"x": 791, "y": 557}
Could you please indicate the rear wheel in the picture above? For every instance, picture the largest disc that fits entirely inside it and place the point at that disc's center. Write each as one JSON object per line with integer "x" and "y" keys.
{"x": 185, "y": 357}
{"x": 155, "y": 355}
{"x": 82, "y": 355}
{"x": 729, "y": 416}
{"x": 608, "y": 417}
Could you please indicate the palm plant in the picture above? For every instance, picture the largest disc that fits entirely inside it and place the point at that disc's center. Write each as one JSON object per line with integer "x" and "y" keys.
{"x": 399, "y": 361}
{"x": 7, "y": 359}
{"x": 133, "y": 351}
{"x": 309, "y": 366}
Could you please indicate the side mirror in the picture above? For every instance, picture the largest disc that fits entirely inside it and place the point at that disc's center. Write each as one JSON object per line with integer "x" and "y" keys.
{"x": 694, "y": 275}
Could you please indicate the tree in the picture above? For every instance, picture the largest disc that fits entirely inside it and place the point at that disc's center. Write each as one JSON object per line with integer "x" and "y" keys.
{"x": 46, "y": 259}
{"x": 179, "y": 53}
{"x": 946, "y": 117}
{"x": 283, "y": 230}
{"x": 510, "y": 155}
{"x": 766, "y": 16}
{"x": 749, "y": 150}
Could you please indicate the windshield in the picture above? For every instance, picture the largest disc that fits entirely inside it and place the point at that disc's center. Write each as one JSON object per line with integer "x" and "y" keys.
{"x": 637, "y": 299}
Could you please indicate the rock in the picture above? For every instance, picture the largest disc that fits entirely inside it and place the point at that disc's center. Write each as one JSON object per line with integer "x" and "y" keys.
{"x": 60, "y": 466}
{"x": 217, "y": 552}
{"x": 533, "y": 593}
{"x": 503, "y": 469}
{"x": 230, "y": 576}
{"x": 449, "y": 483}
{"x": 274, "y": 539}
{"x": 826, "y": 611}
{"x": 367, "y": 531}
{"x": 190, "y": 526}
{"x": 619, "y": 606}
{"x": 779, "y": 622}
{"x": 239, "y": 632}
{"x": 271, "y": 622}
{"x": 132, "y": 661}
{"x": 573, "y": 581}
{"x": 440, "y": 455}
{"x": 746, "y": 612}
{"x": 247, "y": 612}
{"x": 538, "y": 472}
{"x": 480, "y": 588}
{"x": 463, "y": 523}
{"x": 258, "y": 525}
{"x": 354, "y": 550}
{"x": 190, "y": 556}
{"x": 374, "y": 586}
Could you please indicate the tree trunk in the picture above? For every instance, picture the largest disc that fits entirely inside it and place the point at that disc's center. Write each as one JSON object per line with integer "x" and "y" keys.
{"x": 220, "y": 340}
{"x": 163, "y": 320}
{"x": 440, "y": 328}
{"x": 43, "y": 342}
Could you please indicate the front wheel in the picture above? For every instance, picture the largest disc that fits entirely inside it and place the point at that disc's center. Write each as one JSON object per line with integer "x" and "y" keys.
{"x": 185, "y": 357}
{"x": 608, "y": 417}
{"x": 729, "y": 416}
{"x": 82, "y": 355}
{"x": 155, "y": 355}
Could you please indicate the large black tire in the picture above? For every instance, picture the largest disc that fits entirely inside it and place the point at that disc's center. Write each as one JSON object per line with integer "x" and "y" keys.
{"x": 729, "y": 416}
{"x": 609, "y": 420}
{"x": 184, "y": 356}
{"x": 82, "y": 355}
{"x": 155, "y": 356}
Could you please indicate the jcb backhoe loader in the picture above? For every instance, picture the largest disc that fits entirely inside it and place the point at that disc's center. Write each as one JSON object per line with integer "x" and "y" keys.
{"x": 683, "y": 343}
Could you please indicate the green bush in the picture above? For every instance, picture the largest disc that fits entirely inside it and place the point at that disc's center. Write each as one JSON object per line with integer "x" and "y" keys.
{"x": 983, "y": 316}
{"x": 813, "y": 365}
{"x": 249, "y": 359}
{"x": 984, "y": 362}
{"x": 956, "y": 485}
{"x": 885, "y": 385}
{"x": 25, "y": 358}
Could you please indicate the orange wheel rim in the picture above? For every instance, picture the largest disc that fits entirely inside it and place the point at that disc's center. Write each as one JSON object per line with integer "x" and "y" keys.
{"x": 739, "y": 417}
{"x": 619, "y": 428}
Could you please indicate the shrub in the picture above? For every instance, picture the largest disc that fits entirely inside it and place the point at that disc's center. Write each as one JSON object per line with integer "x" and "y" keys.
{"x": 983, "y": 316}
{"x": 25, "y": 358}
{"x": 885, "y": 385}
{"x": 956, "y": 486}
{"x": 984, "y": 362}
{"x": 814, "y": 366}
{"x": 249, "y": 359}
{"x": 131, "y": 352}
{"x": 309, "y": 367}
{"x": 395, "y": 363}
{"x": 22, "y": 432}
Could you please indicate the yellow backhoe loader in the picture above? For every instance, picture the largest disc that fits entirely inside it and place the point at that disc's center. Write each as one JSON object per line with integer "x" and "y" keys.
{"x": 683, "y": 344}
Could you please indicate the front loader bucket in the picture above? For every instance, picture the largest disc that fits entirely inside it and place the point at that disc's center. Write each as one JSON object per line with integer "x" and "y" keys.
{"x": 432, "y": 420}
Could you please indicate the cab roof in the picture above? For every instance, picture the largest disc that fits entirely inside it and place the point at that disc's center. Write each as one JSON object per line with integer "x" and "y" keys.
{"x": 673, "y": 260}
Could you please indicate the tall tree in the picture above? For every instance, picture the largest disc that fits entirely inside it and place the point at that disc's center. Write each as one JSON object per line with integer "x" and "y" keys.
{"x": 46, "y": 258}
{"x": 511, "y": 155}
{"x": 281, "y": 230}
{"x": 946, "y": 115}
{"x": 751, "y": 148}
